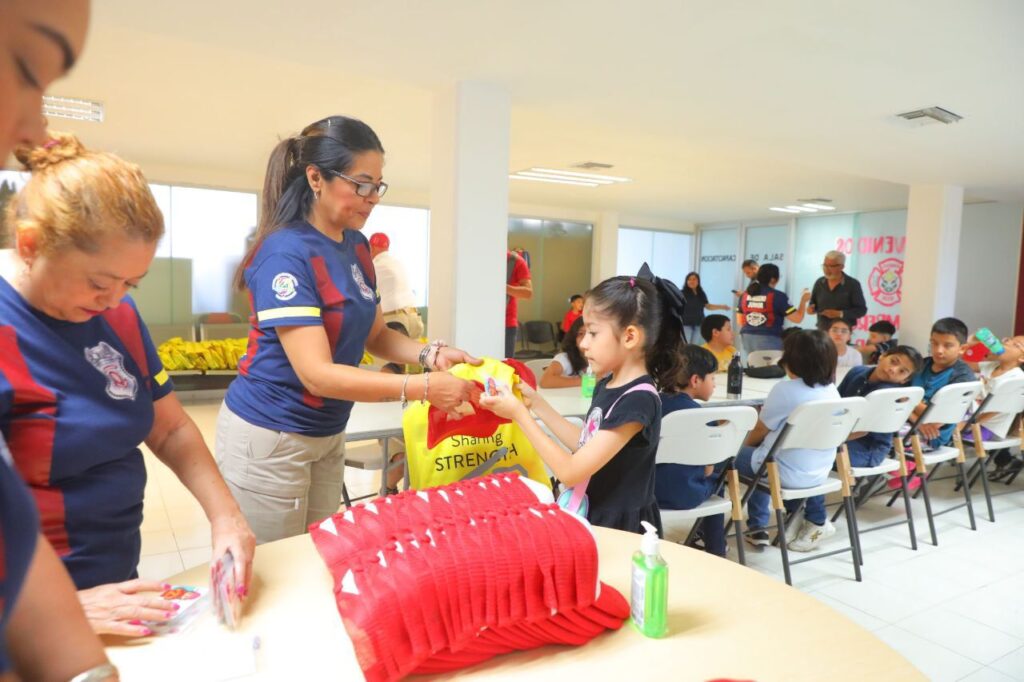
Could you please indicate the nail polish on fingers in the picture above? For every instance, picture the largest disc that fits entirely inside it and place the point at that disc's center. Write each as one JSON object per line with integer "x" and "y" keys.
{"x": 135, "y": 622}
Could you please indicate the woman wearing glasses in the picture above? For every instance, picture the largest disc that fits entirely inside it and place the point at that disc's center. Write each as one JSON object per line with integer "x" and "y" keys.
{"x": 312, "y": 287}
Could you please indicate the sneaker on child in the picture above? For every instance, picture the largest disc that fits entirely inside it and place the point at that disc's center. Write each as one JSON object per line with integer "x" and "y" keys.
{"x": 758, "y": 538}
{"x": 811, "y": 535}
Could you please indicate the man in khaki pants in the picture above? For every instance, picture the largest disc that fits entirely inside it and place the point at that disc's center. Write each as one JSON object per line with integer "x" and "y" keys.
{"x": 396, "y": 298}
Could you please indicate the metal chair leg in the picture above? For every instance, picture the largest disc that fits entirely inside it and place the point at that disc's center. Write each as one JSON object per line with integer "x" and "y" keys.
{"x": 910, "y": 512}
{"x": 780, "y": 523}
{"x": 967, "y": 495}
{"x": 740, "y": 552}
{"x": 928, "y": 508}
{"x": 931, "y": 472}
{"x": 345, "y": 497}
{"x": 983, "y": 473}
{"x": 851, "y": 525}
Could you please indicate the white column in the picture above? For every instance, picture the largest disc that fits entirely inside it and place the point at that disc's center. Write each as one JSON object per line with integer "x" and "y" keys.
{"x": 605, "y": 249}
{"x": 930, "y": 270}
{"x": 469, "y": 217}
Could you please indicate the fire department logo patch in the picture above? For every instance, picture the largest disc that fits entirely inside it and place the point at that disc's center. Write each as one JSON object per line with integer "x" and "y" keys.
{"x": 285, "y": 286}
{"x": 121, "y": 385}
{"x": 886, "y": 281}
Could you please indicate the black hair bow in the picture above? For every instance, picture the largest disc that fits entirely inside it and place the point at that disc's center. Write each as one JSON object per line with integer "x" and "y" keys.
{"x": 671, "y": 296}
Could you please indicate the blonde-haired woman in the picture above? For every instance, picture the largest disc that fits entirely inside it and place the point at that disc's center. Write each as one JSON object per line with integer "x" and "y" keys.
{"x": 81, "y": 385}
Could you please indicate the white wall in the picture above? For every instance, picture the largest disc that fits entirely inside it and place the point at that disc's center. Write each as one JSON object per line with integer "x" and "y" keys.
{"x": 986, "y": 290}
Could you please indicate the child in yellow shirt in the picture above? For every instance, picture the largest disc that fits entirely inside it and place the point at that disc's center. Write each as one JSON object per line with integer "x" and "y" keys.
{"x": 717, "y": 332}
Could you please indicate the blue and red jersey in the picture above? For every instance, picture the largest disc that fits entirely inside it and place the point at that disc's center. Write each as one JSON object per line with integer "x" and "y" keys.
{"x": 299, "y": 277}
{"x": 19, "y": 529}
{"x": 765, "y": 312}
{"x": 76, "y": 400}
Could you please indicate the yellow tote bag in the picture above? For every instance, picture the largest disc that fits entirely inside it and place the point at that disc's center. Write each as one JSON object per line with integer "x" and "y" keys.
{"x": 440, "y": 450}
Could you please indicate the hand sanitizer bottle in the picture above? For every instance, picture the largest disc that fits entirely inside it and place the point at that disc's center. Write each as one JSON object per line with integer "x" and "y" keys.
{"x": 587, "y": 383}
{"x": 649, "y": 594}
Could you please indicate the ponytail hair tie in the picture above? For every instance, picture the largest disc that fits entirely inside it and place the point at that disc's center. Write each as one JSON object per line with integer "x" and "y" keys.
{"x": 632, "y": 282}
{"x": 51, "y": 143}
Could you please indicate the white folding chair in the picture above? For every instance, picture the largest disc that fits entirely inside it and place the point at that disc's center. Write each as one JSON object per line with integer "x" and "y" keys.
{"x": 763, "y": 358}
{"x": 885, "y": 411}
{"x": 1006, "y": 400}
{"x": 950, "y": 405}
{"x": 815, "y": 425}
{"x": 372, "y": 456}
{"x": 538, "y": 366}
{"x": 710, "y": 435}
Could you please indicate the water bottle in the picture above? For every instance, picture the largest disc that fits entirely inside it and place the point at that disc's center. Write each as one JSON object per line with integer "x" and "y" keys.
{"x": 734, "y": 382}
{"x": 587, "y": 383}
{"x": 987, "y": 344}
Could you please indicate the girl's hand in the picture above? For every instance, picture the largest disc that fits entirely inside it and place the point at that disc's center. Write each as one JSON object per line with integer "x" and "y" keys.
{"x": 231, "y": 532}
{"x": 805, "y": 296}
{"x": 120, "y": 608}
{"x": 448, "y": 357}
{"x": 528, "y": 394}
{"x": 504, "y": 403}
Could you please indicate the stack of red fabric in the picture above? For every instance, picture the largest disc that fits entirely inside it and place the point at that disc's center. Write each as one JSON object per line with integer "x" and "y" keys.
{"x": 435, "y": 580}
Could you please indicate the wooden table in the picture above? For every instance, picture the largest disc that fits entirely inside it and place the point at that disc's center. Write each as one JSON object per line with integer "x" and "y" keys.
{"x": 725, "y": 621}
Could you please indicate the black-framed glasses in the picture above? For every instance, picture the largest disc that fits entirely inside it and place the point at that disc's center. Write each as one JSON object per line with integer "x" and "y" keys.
{"x": 363, "y": 189}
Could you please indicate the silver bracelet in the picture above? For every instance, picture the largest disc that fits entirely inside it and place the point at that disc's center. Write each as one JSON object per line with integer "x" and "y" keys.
{"x": 105, "y": 672}
{"x": 405, "y": 401}
{"x": 426, "y": 387}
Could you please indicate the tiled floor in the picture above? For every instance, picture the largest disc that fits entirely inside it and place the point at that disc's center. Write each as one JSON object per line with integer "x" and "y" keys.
{"x": 956, "y": 611}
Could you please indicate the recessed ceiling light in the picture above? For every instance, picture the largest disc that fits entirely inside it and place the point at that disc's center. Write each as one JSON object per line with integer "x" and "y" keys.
{"x": 803, "y": 209}
{"x": 73, "y": 109}
{"x": 563, "y": 181}
{"x": 820, "y": 207}
{"x": 586, "y": 176}
{"x": 538, "y": 174}
{"x": 783, "y": 210}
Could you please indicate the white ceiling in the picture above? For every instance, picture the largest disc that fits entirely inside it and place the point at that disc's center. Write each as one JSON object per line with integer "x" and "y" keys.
{"x": 716, "y": 108}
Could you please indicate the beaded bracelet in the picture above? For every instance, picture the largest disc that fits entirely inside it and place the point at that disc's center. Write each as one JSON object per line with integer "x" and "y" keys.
{"x": 426, "y": 387}
{"x": 436, "y": 346}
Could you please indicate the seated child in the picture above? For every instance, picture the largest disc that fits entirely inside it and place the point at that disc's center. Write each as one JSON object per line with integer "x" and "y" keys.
{"x": 1007, "y": 366}
{"x": 895, "y": 368}
{"x": 809, "y": 358}
{"x": 574, "y": 313}
{"x": 880, "y": 339}
{"x": 568, "y": 367}
{"x": 941, "y": 368}
{"x": 839, "y": 331}
{"x": 680, "y": 486}
{"x": 717, "y": 333}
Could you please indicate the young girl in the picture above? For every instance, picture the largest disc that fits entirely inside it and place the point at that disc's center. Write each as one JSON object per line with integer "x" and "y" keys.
{"x": 567, "y": 368}
{"x": 809, "y": 358}
{"x": 633, "y": 339}
{"x": 846, "y": 355}
{"x": 695, "y": 303}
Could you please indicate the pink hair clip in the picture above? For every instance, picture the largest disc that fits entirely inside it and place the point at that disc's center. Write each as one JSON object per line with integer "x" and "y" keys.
{"x": 632, "y": 282}
{"x": 50, "y": 144}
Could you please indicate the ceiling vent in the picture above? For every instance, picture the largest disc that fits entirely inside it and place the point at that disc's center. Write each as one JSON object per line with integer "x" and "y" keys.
{"x": 931, "y": 114}
{"x": 73, "y": 109}
{"x": 592, "y": 165}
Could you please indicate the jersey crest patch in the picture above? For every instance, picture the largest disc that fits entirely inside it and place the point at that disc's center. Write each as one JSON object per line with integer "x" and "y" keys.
{"x": 357, "y": 276}
{"x": 121, "y": 385}
{"x": 285, "y": 286}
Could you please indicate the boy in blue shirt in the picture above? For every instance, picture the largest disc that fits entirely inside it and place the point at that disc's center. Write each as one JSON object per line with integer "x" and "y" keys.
{"x": 896, "y": 366}
{"x": 942, "y": 368}
{"x": 681, "y": 486}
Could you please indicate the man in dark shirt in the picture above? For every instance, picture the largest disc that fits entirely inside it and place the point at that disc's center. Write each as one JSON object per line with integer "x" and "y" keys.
{"x": 837, "y": 294}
